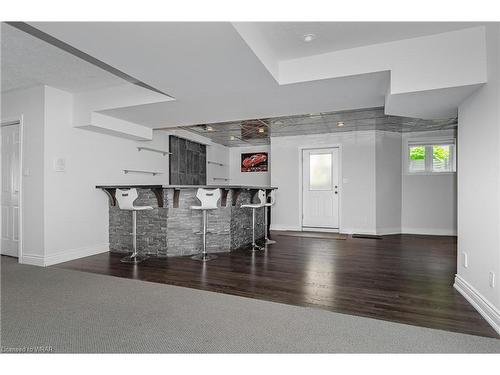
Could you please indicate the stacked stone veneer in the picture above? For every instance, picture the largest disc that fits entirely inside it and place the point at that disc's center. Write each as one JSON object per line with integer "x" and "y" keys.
{"x": 170, "y": 231}
{"x": 241, "y": 222}
{"x": 151, "y": 226}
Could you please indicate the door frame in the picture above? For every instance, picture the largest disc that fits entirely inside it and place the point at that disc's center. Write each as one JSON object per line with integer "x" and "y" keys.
{"x": 11, "y": 121}
{"x": 301, "y": 187}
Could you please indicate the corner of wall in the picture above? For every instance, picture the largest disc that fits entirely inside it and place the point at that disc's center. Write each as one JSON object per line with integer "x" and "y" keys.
{"x": 489, "y": 312}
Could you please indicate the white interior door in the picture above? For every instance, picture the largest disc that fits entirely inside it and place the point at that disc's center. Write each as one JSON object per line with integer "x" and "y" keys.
{"x": 320, "y": 193}
{"x": 10, "y": 189}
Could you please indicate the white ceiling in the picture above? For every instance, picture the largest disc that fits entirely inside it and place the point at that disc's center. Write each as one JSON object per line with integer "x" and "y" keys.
{"x": 208, "y": 68}
{"x": 286, "y": 38}
{"x": 28, "y": 61}
{"x": 210, "y": 71}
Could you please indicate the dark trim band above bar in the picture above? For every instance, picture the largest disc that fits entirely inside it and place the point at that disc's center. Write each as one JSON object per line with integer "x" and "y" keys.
{"x": 158, "y": 191}
{"x": 187, "y": 187}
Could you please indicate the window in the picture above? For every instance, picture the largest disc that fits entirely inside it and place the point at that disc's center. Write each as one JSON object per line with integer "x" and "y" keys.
{"x": 431, "y": 157}
{"x": 320, "y": 171}
{"x": 417, "y": 159}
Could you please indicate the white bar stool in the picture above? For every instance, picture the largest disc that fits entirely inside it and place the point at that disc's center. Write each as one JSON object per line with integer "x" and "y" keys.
{"x": 125, "y": 199}
{"x": 272, "y": 200}
{"x": 208, "y": 199}
{"x": 262, "y": 198}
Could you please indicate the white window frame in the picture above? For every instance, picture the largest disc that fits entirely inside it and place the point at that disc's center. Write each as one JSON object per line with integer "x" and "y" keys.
{"x": 428, "y": 160}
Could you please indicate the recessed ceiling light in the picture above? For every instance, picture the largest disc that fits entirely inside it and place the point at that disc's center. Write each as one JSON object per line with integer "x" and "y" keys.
{"x": 232, "y": 138}
{"x": 340, "y": 123}
{"x": 210, "y": 129}
{"x": 309, "y": 37}
{"x": 261, "y": 130}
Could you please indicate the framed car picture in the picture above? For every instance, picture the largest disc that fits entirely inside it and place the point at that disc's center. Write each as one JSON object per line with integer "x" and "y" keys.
{"x": 254, "y": 162}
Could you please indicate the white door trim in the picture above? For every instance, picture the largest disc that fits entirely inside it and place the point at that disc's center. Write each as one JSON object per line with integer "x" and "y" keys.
{"x": 9, "y": 122}
{"x": 340, "y": 188}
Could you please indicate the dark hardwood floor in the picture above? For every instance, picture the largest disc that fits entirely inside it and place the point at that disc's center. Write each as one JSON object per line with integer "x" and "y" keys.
{"x": 401, "y": 278}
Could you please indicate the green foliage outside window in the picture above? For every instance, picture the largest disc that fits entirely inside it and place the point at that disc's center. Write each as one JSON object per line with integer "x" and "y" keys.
{"x": 441, "y": 153}
{"x": 417, "y": 153}
{"x": 438, "y": 153}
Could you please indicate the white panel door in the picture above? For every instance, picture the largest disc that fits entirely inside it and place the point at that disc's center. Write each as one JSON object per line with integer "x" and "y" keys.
{"x": 10, "y": 189}
{"x": 320, "y": 193}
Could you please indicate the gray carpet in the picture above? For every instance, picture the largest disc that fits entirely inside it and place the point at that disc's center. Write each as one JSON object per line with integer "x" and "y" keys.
{"x": 76, "y": 312}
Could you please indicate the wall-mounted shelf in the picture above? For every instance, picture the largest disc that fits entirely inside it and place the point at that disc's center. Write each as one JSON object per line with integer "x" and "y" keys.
{"x": 127, "y": 171}
{"x": 163, "y": 152}
{"x": 215, "y": 163}
{"x": 220, "y": 178}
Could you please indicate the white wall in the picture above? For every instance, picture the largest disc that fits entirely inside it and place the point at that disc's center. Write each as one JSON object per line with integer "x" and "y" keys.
{"x": 218, "y": 154}
{"x": 375, "y": 196}
{"x": 248, "y": 178}
{"x": 429, "y": 203}
{"x": 357, "y": 190}
{"x": 388, "y": 182}
{"x": 65, "y": 217}
{"x": 76, "y": 213}
{"x": 479, "y": 188}
{"x": 29, "y": 103}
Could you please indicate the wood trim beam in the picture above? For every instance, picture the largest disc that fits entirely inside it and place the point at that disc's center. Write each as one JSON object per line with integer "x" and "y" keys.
{"x": 110, "y": 192}
{"x": 158, "y": 192}
{"x": 175, "y": 202}
{"x": 223, "y": 198}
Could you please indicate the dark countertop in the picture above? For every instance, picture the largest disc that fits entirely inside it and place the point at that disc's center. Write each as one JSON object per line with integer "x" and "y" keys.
{"x": 178, "y": 187}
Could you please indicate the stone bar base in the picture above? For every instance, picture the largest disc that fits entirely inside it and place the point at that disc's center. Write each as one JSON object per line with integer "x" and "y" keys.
{"x": 175, "y": 231}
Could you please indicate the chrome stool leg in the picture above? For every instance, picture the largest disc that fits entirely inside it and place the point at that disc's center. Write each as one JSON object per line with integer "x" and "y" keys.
{"x": 254, "y": 245}
{"x": 204, "y": 256}
{"x": 134, "y": 257}
{"x": 268, "y": 241}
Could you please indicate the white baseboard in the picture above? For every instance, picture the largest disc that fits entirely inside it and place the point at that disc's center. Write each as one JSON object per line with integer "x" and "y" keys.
{"x": 357, "y": 231}
{"x": 341, "y": 230}
{"x": 33, "y": 260}
{"x": 388, "y": 231}
{"x": 380, "y": 232}
{"x": 430, "y": 231}
{"x": 481, "y": 304}
{"x": 285, "y": 227}
{"x": 325, "y": 230}
{"x": 64, "y": 256}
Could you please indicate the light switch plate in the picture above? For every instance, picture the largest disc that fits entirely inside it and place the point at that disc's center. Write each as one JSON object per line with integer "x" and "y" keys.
{"x": 60, "y": 164}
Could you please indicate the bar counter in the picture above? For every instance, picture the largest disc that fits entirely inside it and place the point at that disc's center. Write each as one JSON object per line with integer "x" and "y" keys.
{"x": 172, "y": 228}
